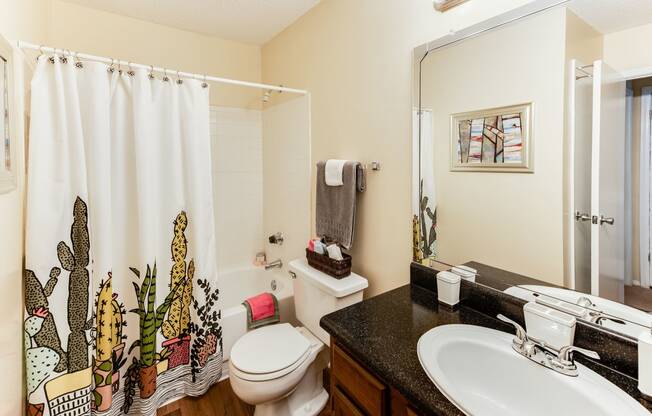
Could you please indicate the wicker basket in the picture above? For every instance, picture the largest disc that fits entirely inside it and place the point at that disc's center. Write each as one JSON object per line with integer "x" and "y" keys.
{"x": 335, "y": 268}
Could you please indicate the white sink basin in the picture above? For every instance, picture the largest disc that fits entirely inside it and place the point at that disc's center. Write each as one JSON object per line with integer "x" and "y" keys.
{"x": 478, "y": 371}
{"x": 637, "y": 321}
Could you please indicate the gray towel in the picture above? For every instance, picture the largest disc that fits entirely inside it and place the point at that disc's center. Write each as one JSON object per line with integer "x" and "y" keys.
{"x": 335, "y": 211}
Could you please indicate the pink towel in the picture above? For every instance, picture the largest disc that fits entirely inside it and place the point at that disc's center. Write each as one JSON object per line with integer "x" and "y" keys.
{"x": 261, "y": 310}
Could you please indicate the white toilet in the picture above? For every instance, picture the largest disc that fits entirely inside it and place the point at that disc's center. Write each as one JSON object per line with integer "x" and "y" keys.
{"x": 278, "y": 368}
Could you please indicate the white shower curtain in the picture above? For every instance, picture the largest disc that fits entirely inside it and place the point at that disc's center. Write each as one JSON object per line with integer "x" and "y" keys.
{"x": 119, "y": 231}
{"x": 424, "y": 197}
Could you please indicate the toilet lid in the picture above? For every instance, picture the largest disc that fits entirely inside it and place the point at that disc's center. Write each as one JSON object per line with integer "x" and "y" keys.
{"x": 269, "y": 349}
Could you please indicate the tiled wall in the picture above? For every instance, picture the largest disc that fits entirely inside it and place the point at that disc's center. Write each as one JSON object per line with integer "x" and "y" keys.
{"x": 237, "y": 153}
{"x": 286, "y": 165}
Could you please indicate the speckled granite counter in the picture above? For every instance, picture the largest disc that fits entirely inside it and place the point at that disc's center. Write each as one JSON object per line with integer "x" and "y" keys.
{"x": 382, "y": 334}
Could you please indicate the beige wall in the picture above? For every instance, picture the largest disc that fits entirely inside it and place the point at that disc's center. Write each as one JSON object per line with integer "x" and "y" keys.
{"x": 26, "y": 19}
{"x": 106, "y": 34}
{"x": 629, "y": 49}
{"x": 286, "y": 187}
{"x": 356, "y": 59}
{"x": 508, "y": 220}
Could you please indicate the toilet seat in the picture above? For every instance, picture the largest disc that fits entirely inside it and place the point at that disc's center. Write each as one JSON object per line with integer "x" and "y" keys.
{"x": 270, "y": 352}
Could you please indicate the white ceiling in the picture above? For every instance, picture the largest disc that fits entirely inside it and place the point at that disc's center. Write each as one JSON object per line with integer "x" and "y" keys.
{"x": 609, "y": 16}
{"x": 248, "y": 21}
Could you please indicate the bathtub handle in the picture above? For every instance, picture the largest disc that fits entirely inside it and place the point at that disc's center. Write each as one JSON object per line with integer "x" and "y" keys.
{"x": 292, "y": 274}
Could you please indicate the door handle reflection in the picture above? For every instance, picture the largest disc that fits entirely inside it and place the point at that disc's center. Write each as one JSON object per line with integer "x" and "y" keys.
{"x": 582, "y": 217}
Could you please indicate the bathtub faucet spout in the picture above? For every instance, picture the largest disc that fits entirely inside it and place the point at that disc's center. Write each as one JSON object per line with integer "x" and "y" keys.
{"x": 276, "y": 264}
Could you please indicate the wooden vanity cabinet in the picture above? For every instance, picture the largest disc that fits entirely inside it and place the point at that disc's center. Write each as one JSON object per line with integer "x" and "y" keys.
{"x": 357, "y": 392}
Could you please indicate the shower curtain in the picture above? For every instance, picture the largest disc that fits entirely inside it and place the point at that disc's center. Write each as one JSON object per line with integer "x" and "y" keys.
{"x": 120, "y": 279}
{"x": 424, "y": 201}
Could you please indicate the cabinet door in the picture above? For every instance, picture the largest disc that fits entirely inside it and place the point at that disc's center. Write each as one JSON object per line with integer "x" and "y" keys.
{"x": 363, "y": 387}
{"x": 342, "y": 406}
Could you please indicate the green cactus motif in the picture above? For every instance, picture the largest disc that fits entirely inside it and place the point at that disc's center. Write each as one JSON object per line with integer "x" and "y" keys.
{"x": 36, "y": 298}
{"x": 76, "y": 261}
{"x": 40, "y": 362}
{"x": 151, "y": 318}
{"x": 178, "y": 318}
{"x": 109, "y": 321}
{"x": 428, "y": 237}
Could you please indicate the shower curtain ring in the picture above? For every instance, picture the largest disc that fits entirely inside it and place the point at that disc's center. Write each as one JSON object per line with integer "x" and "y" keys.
{"x": 111, "y": 68}
{"x": 119, "y": 67}
{"x": 131, "y": 72}
{"x": 63, "y": 58}
{"x": 78, "y": 63}
{"x": 40, "y": 49}
{"x": 165, "y": 75}
{"x": 179, "y": 80}
{"x": 204, "y": 84}
{"x": 51, "y": 58}
{"x": 151, "y": 72}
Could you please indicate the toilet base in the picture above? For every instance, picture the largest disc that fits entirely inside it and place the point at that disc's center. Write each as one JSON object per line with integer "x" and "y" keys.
{"x": 283, "y": 407}
{"x": 308, "y": 399}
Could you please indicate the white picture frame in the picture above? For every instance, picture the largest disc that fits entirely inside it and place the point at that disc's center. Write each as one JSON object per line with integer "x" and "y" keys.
{"x": 479, "y": 140}
{"x": 8, "y": 117}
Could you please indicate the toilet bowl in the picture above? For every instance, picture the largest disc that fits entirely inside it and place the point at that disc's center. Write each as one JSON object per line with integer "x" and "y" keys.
{"x": 278, "y": 368}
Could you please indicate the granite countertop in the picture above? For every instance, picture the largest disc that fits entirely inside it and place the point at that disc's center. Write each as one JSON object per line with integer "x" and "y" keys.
{"x": 382, "y": 333}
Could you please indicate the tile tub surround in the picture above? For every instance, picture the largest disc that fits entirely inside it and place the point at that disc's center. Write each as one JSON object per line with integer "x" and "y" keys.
{"x": 382, "y": 334}
{"x": 617, "y": 352}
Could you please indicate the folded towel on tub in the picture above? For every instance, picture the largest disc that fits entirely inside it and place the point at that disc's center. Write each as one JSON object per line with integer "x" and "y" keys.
{"x": 261, "y": 310}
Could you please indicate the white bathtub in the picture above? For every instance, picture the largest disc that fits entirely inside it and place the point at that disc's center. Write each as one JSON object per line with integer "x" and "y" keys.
{"x": 238, "y": 284}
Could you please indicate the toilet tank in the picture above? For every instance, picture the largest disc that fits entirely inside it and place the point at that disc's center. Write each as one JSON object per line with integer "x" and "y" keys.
{"x": 317, "y": 294}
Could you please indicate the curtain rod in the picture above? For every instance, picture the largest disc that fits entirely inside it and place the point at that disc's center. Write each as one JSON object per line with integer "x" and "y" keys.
{"x": 200, "y": 77}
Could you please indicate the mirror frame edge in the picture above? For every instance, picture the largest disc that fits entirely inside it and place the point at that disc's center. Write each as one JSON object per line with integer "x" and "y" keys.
{"x": 8, "y": 178}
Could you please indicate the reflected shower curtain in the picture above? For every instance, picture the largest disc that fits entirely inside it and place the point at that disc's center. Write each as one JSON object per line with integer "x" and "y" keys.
{"x": 424, "y": 201}
{"x": 120, "y": 280}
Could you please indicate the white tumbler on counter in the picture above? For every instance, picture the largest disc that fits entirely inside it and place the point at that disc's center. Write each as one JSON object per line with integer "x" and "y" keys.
{"x": 448, "y": 288}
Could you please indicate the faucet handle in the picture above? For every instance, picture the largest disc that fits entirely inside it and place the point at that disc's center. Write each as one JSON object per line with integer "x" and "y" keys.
{"x": 521, "y": 335}
{"x": 276, "y": 238}
{"x": 565, "y": 354}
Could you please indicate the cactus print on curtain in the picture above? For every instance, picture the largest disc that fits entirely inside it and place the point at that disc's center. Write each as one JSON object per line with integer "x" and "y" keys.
{"x": 120, "y": 281}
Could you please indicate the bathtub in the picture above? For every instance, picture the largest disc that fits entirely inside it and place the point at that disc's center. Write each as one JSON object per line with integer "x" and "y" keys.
{"x": 238, "y": 284}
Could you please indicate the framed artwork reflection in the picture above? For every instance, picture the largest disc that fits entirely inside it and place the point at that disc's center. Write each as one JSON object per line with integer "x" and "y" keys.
{"x": 493, "y": 140}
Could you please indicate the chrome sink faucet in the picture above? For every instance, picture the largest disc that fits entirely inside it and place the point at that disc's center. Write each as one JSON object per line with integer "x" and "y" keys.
{"x": 560, "y": 360}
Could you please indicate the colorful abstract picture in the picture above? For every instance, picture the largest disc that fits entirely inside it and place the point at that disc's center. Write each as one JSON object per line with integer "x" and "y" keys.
{"x": 492, "y": 140}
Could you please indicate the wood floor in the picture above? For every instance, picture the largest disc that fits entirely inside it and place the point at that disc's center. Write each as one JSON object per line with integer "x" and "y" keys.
{"x": 219, "y": 400}
{"x": 638, "y": 297}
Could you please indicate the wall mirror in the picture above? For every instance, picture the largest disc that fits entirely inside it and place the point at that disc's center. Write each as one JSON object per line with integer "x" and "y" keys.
{"x": 532, "y": 158}
{"x": 7, "y": 128}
